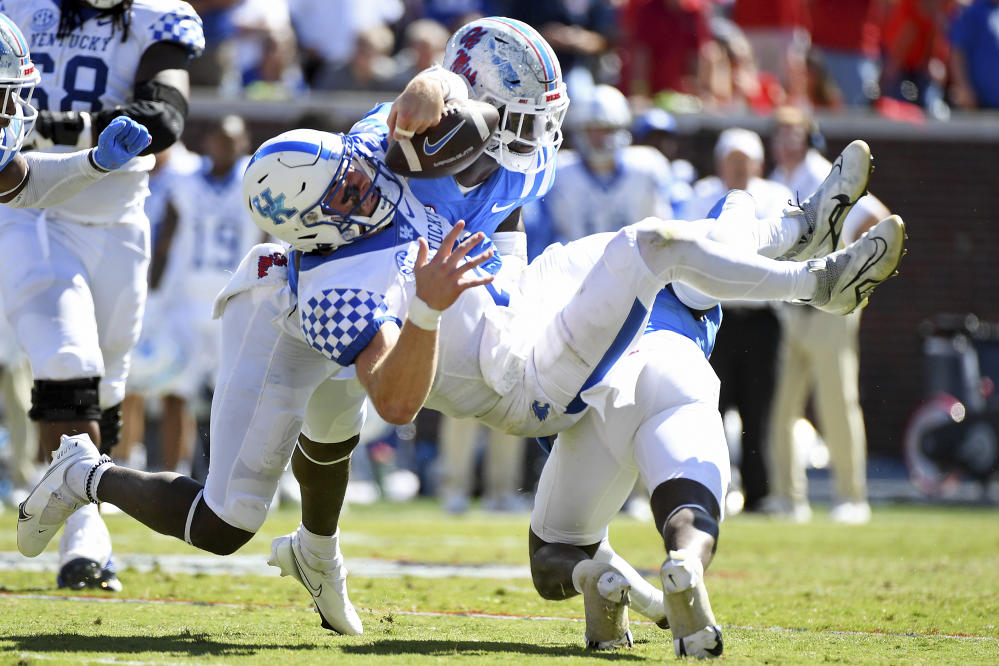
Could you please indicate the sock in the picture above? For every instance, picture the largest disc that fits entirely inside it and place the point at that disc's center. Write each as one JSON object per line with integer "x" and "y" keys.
{"x": 646, "y": 598}
{"x": 85, "y": 535}
{"x": 320, "y": 551}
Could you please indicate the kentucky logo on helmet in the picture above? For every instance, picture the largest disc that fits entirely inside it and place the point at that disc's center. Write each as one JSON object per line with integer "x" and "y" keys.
{"x": 272, "y": 208}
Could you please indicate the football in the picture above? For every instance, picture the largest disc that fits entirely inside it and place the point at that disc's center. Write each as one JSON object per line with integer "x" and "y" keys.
{"x": 449, "y": 146}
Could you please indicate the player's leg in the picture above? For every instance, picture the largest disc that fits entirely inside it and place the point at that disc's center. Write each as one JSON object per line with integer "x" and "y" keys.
{"x": 457, "y": 440}
{"x": 51, "y": 307}
{"x": 321, "y": 464}
{"x": 683, "y": 460}
{"x": 580, "y": 490}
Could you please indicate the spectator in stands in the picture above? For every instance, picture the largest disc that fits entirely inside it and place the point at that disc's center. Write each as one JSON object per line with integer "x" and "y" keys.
{"x": 370, "y": 67}
{"x": 915, "y": 52}
{"x": 15, "y": 387}
{"x": 776, "y": 29}
{"x": 745, "y": 352}
{"x": 974, "y": 56}
{"x": 423, "y": 45}
{"x": 651, "y": 62}
{"x": 581, "y": 32}
{"x": 265, "y": 50}
{"x": 453, "y": 14}
{"x": 810, "y": 84}
{"x": 216, "y": 63}
{"x": 818, "y": 353}
{"x": 327, "y": 31}
{"x": 848, "y": 35}
{"x": 735, "y": 84}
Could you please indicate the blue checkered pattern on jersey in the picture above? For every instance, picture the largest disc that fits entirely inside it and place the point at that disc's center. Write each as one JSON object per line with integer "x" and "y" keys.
{"x": 342, "y": 322}
{"x": 182, "y": 26}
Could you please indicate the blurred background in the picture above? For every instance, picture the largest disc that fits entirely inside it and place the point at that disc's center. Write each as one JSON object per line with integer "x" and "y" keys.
{"x": 916, "y": 79}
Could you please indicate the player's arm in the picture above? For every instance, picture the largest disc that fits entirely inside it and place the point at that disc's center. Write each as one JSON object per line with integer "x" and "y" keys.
{"x": 397, "y": 367}
{"x": 159, "y": 101}
{"x": 38, "y": 180}
{"x": 421, "y": 103}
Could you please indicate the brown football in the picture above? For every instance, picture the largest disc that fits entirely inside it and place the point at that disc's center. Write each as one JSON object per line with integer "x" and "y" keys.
{"x": 447, "y": 147}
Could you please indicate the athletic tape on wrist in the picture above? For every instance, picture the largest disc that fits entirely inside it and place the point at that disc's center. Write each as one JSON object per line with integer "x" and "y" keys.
{"x": 422, "y": 315}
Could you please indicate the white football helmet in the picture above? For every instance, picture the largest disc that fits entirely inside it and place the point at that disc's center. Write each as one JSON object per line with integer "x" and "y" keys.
{"x": 293, "y": 180}
{"x": 18, "y": 78}
{"x": 508, "y": 64}
{"x": 599, "y": 123}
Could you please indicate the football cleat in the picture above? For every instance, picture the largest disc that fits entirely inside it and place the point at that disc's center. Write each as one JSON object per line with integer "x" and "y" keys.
{"x": 84, "y": 572}
{"x": 605, "y": 600}
{"x": 846, "y": 278}
{"x": 695, "y": 632}
{"x": 828, "y": 206}
{"x": 328, "y": 587}
{"x": 52, "y": 501}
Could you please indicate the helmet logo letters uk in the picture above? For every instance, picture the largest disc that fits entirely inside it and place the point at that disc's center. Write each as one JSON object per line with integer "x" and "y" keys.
{"x": 272, "y": 208}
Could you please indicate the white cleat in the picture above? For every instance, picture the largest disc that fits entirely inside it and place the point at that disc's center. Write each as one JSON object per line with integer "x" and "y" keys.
{"x": 605, "y": 600}
{"x": 327, "y": 587}
{"x": 695, "y": 632}
{"x": 52, "y": 501}
{"x": 846, "y": 278}
{"x": 827, "y": 207}
{"x": 851, "y": 513}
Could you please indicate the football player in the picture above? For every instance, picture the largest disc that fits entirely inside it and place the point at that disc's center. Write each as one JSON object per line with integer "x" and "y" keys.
{"x": 32, "y": 180}
{"x": 75, "y": 289}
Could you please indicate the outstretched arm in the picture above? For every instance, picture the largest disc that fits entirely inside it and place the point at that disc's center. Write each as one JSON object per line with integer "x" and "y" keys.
{"x": 397, "y": 367}
{"x": 38, "y": 180}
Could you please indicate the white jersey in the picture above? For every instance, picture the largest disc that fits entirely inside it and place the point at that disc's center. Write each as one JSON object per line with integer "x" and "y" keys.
{"x": 213, "y": 233}
{"x": 807, "y": 177}
{"x": 92, "y": 70}
{"x": 582, "y": 203}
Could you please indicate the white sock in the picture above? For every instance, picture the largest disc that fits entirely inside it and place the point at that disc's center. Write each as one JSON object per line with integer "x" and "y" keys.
{"x": 646, "y": 598}
{"x": 320, "y": 550}
{"x": 85, "y": 535}
{"x": 678, "y": 252}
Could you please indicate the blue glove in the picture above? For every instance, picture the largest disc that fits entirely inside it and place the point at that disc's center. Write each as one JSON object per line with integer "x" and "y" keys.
{"x": 120, "y": 141}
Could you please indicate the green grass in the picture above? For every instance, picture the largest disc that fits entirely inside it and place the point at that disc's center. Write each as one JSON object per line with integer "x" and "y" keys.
{"x": 918, "y": 585}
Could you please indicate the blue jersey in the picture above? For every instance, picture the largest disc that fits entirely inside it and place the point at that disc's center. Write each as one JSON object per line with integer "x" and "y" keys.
{"x": 669, "y": 314}
{"x": 485, "y": 206}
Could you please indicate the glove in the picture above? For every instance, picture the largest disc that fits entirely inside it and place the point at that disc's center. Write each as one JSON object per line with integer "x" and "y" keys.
{"x": 120, "y": 141}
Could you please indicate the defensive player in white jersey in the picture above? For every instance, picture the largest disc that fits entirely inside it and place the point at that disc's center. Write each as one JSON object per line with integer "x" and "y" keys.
{"x": 204, "y": 235}
{"x": 76, "y": 288}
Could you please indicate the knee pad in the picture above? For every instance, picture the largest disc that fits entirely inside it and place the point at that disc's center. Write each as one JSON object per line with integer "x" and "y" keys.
{"x": 110, "y": 425}
{"x": 65, "y": 400}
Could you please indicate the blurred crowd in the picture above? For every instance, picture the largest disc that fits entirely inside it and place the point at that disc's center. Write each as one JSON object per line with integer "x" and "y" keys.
{"x": 902, "y": 58}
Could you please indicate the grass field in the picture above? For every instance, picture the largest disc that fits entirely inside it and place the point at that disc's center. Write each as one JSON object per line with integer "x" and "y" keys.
{"x": 918, "y": 585}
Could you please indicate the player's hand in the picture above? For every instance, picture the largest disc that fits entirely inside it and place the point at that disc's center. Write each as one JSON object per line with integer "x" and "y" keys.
{"x": 120, "y": 141}
{"x": 442, "y": 280}
{"x": 418, "y": 108}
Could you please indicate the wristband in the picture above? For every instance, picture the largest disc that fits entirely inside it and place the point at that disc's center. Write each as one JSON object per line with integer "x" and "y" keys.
{"x": 422, "y": 315}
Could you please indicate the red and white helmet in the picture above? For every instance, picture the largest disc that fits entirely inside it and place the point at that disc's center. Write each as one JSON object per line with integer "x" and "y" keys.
{"x": 18, "y": 78}
{"x": 507, "y": 63}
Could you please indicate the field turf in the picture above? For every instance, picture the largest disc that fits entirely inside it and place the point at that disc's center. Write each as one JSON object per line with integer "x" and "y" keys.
{"x": 918, "y": 585}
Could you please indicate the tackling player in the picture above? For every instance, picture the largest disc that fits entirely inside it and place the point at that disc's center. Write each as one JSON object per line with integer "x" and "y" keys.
{"x": 75, "y": 290}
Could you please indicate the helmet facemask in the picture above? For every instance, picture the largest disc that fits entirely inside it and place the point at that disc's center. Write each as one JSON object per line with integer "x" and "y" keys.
{"x": 383, "y": 185}
{"x": 17, "y": 112}
{"x": 525, "y": 131}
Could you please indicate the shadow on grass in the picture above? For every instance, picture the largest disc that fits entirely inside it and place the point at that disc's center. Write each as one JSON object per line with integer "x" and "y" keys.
{"x": 441, "y": 648}
{"x": 193, "y": 644}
